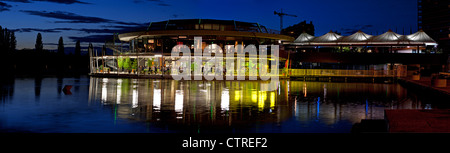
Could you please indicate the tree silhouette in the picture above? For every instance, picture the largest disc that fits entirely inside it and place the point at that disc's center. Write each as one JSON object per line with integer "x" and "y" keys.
{"x": 7, "y": 40}
{"x": 2, "y": 39}
{"x": 39, "y": 47}
{"x": 77, "y": 48}
{"x": 13, "y": 42}
{"x": 60, "y": 46}
{"x": 90, "y": 49}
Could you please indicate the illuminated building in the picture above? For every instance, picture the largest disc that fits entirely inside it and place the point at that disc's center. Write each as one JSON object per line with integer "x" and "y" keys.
{"x": 149, "y": 51}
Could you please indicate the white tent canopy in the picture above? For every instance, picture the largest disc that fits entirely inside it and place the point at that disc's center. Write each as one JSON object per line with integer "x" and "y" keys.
{"x": 388, "y": 36}
{"x": 420, "y": 36}
{"x": 360, "y": 38}
{"x": 329, "y": 37}
{"x": 304, "y": 37}
{"x": 357, "y": 37}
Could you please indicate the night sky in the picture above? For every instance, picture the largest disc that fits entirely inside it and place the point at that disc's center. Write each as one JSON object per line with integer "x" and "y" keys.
{"x": 92, "y": 21}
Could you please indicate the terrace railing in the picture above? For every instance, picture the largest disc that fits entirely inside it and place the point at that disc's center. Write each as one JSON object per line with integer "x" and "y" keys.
{"x": 346, "y": 73}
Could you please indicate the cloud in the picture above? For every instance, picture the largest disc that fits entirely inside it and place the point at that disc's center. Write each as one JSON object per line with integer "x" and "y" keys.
{"x": 63, "y": 1}
{"x": 163, "y": 4}
{"x": 117, "y": 29}
{"x": 106, "y": 29}
{"x": 4, "y": 7}
{"x": 92, "y": 38}
{"x": 21, "y": 1}
{"x": 159, "y": 2}
{"x": 364, "y": 26}
{"x": 348, "y": 31}
{"x": 355, "y": 28}
{"x": 69, "y": 17}
{"x": 36, "y": 30}
{"x": 51, "y": 1}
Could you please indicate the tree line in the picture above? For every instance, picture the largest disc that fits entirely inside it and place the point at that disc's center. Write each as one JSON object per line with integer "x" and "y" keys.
{"x": 8, "y": 43}
{"x": 39, "y": 47}
{"x": 8, "y": 40}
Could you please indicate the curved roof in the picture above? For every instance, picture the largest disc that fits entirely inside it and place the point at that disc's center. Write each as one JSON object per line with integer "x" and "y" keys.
{"x": 133, "y": 35}
{"x": 200, "y": 27}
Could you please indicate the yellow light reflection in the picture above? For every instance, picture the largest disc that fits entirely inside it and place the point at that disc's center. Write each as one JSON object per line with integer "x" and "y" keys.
{"x": 272, "y": 100}
{"x": 262, "y": 98}
{"x": 254, "y": 96}
{"x": 237, "y": 95}
{"x": 304, "y": 90}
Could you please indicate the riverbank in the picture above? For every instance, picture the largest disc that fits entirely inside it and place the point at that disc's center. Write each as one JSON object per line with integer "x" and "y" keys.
{"x": 418, "y": 121}
{"x": 425, "y": 85}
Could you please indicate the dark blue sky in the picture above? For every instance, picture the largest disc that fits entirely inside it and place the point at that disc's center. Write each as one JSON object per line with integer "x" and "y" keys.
{"x": 92, "y": 20}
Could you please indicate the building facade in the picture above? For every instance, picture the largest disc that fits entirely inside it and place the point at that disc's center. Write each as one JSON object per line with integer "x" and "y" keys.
{"x": 299, "y": 28}
{"x": 434, "y": 19}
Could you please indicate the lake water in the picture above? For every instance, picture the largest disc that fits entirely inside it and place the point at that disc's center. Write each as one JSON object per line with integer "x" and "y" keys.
{"x": 111, "y": 105}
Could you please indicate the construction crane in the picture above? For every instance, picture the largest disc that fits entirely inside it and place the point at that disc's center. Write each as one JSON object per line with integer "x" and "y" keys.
{"x": 281, "y": 14}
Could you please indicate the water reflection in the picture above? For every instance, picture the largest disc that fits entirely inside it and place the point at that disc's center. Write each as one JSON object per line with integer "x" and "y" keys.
{"x": 145, "y": 105}
{"x": 242, "y": 106}
{"x": 6, "y": 88}
{"x": 37, "y": 86}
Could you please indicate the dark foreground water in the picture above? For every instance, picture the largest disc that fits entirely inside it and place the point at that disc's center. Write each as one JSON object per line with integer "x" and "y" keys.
{"x": 107, "y": 105}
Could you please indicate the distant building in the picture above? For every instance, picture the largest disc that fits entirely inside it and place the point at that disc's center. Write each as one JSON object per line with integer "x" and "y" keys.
{"x": 297, "y": 29}
{"x": 434, "y": 19}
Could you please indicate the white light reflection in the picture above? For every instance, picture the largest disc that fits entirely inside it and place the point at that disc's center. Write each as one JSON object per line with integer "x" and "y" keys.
{"x": 156, "y": 99}
{"x": 288, "y": 86}
{"x": 225, "y": 104}
{"x": 119, "y": 90}
{"x": 134, "y": 101}
{"x": 179, "y": 101}
{"x": 279, "y": 89}
{"x": 104, "y": 92}
{"x": 295, "y": 107}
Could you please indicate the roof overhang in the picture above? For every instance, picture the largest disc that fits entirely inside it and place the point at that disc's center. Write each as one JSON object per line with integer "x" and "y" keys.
{"x": 132, "y": 35}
